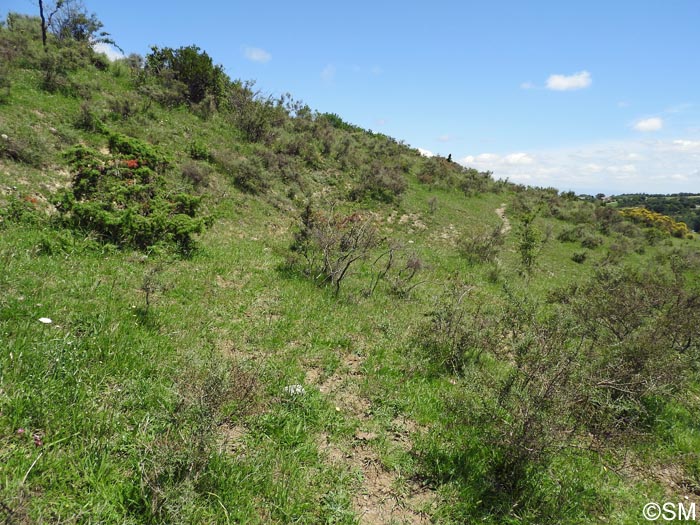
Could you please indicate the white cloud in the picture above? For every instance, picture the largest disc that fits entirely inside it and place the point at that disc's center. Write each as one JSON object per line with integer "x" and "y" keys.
{"x": 257, "y": 54}
{"x": 579, "y": 80}
{"x": 519, "y": 158}
{"x": 687, "y": 145}
{"x": 651, "y": 166}
{"x": 527, "y": 85}
{"x": 328, "y": 74}
{"x": 376, "y": 70}
{"x": 445, "y": 138}
{"x": 425, "y": 152}
{"x": 109, "y": 50}
{"x": 649, "y": 124}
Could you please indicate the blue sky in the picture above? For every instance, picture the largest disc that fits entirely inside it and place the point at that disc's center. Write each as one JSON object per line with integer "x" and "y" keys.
{"x": 592, "y": 96}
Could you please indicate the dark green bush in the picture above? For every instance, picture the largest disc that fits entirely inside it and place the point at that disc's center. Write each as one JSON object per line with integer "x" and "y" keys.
{"x": 591, "y": 241}
{"x": 123, "y": 201}
{"x": 88, "y": 119}
{"x": 199, "y": 151}
{"x": 190, "y": 66}
{"x": 22, "y": 209}
{"x": 135, "y": 149}
{"x": 579, "y": 257}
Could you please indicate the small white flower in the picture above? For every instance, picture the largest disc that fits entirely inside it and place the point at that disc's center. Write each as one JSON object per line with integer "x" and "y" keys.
{"x": 45, "y": 320}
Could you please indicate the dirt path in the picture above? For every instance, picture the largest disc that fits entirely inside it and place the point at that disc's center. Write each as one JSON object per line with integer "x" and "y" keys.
{"x": 501, "y": 212}
{"x": 384, "y": 496}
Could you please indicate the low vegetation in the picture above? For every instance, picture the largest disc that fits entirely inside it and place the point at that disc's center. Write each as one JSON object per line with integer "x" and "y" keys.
{"x": 217, "y": 306}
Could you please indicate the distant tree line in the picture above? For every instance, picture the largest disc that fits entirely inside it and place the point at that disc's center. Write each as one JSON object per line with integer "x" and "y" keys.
{"x": 683, "y": 207}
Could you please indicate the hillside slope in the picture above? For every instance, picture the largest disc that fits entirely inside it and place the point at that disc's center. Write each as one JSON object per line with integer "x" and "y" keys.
{"x": 218, "y": 307}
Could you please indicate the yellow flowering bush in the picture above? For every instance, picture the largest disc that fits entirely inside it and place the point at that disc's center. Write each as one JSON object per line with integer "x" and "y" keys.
{"x": 654, "y": 219}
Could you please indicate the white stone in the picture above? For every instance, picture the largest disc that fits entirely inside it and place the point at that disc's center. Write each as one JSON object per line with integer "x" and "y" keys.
{"x": 294, "y": 390}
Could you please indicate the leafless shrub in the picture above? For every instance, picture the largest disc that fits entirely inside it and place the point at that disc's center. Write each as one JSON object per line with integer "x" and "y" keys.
{"x": 331, "y": 243}
{"x": 399, "y": 269}
{"x": 432, "y": 205}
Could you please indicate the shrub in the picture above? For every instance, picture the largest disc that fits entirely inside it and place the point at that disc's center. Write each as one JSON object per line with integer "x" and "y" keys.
{"x": 22, "y": 209}
{"x": 657, "y": 220}
{"x": 257, "y": 117}
{"x": 199, "y": 151}
{"x": 134, "y": 149}
{"x": 331, "y": 243}
{"x": 436, "y": 170}
{"x": 123, "y": 107}
{"x": 641, "y": 328}
{"x": 484, "y": 246}
{"x": 191, "y": 67}
{"x": 5, "y": 82}
{"x": 591, "y": 241}
{"x": 579, "y": 257}
{"x": 382, "y": 183}
{"x": 249, "y": 176}
{"x": 23, "y": 147}
{"x": 529, "y": 241}
{"x": 197, "y": 174}
{"x": 88, "y": 119}
{"x": 124, "y": 202}
{"x": 456, "y": 330}
{"x": 581, "y": 233}
{"x": 399, "y": 269}
{"x": 473, "y": 182}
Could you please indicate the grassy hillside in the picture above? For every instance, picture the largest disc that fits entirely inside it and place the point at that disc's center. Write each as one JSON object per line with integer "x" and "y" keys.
{"x": 217, "y": 307}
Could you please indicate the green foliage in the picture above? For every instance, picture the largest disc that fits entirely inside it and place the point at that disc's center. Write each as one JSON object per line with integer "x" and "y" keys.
{"x": 199, "y": 151}
{"x": 124, "y": 202}
{"x": 482, "y": 246}
{"x": 71, "y": 21}
{"x": 22, "y": 209}
{"x": 579, "y": 257}
{"x": 380, "y": 182}
{"x": 583, "y": 233}
{"x": 504, "y": 407}
{"x": 132, "y": 148}
{"x": 5, "y": 82}
{"x": 529, "y": 241}
{"x": 249, "y": 176}
{"x": 453, "y": 333}
{"x": 337, "y": 122}
{"x": 192, "y": 67}
{"x": 196, "y": 173}
{"x": 438, "y": 171}
{"x": 644, "y": 324}
{"x": 257, "y": 117}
